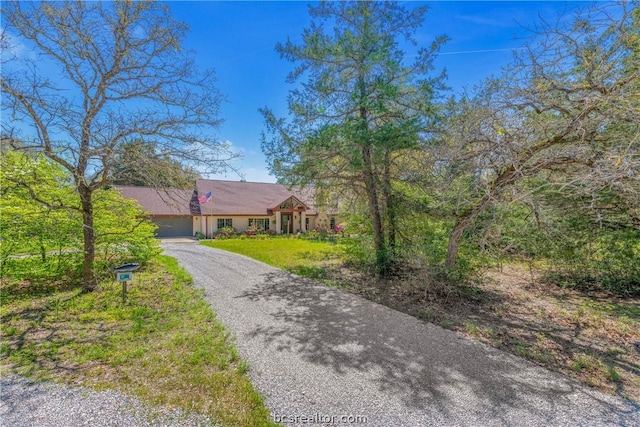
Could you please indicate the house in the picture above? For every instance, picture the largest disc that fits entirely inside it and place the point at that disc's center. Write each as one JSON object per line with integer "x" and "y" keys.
{"x": 215, "y": 204}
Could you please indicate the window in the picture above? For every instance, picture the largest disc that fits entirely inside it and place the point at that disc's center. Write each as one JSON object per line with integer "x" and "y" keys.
{"x": 259, "y": 223}
{"x": 225, "y": 222}
{"x": 332, "y": 223}
{"x": 306, "y": 223}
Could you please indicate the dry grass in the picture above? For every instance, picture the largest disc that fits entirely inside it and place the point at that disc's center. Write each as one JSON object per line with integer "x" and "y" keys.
{"x": 594, "y": 338}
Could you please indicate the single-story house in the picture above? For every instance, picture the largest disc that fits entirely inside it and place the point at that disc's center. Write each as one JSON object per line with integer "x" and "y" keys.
{"x": 215, "y": 204}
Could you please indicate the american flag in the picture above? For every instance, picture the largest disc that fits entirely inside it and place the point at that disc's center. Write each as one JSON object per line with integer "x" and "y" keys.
{"x": 204, "y": 199}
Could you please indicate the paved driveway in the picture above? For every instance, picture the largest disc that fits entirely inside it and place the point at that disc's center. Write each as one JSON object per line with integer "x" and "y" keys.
{"x": 327, "y": 355}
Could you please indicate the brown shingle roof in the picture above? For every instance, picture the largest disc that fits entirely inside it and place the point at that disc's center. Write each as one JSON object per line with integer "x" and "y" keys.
{"x": 227, "y": 198}
{"x": 156, "y": 201}
{"x": 246, "y": 198}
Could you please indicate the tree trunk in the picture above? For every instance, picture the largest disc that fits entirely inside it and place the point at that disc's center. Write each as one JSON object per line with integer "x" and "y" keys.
{"x": 390, "y": 208}
{"x": 89, "y": 282}
{"x": 506, "y": 178}
{"x": 382, "y": 257}
{"x": 454, "y": 242}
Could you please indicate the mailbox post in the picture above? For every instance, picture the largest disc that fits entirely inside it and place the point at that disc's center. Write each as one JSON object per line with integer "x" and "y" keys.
{"x": 124, "y": 274}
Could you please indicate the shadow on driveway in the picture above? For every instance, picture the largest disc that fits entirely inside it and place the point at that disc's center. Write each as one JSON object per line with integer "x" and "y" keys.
{"x": 425, "y": 366}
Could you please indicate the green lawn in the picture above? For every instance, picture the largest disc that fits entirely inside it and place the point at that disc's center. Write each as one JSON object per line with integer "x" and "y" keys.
{"x": 163, "y": 345}
{"x": 307, "y": 258}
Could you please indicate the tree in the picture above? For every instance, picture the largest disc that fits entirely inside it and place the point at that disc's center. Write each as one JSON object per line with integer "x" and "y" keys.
{"x": 566, "y": 108}
{"x": 37, "y": 206}
{"x": 40, "y": 213}
{"x": 106, "y": 74}
{"x": 359, "y": 107}
{"x": 140, "y": 163}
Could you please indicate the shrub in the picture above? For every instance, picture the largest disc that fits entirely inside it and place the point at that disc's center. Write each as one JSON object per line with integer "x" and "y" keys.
{"x": 226, "y": 233}
{"x": 252, "y": 230}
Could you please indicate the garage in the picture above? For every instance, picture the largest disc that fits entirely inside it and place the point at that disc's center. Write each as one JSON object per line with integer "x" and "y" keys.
{"x": 173, "y": 226}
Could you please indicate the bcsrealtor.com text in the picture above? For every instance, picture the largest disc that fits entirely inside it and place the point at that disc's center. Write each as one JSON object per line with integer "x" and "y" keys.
{"x": 318, "y": 418}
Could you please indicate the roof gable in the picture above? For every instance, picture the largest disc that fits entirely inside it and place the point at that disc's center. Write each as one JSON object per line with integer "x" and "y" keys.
{"x": 291, "y": 203}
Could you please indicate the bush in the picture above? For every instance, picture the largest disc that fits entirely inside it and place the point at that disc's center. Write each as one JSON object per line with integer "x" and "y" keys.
{"x": 252, "y": 230}
{"x": 226, "y": 233}
{"x": 577, "y": 248}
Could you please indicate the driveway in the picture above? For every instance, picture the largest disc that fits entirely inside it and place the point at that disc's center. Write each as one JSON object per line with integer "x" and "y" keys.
{"x": 321, "y": 354}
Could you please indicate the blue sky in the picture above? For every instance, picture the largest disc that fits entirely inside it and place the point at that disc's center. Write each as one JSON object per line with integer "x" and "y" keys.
{"x": 238, "y": 40}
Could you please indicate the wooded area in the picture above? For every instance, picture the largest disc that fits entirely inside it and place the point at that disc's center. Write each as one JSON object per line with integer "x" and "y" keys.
{"x": 539, "y": 164}
{"x": 536, "y": 165}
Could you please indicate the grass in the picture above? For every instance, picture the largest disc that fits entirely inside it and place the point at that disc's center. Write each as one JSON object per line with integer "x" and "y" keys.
{"x": 306, "y": 258}
{"x": 163, "y": 345}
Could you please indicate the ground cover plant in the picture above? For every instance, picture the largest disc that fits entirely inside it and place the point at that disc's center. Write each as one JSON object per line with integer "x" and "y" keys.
{"x": 163, "y": 345}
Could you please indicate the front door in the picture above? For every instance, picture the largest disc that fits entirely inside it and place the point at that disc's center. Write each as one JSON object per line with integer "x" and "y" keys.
{"x": 287, "y": 224}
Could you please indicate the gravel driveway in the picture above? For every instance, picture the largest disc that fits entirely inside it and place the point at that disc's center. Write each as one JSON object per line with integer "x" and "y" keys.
{"x": 26, "y": 403}
{"x": 321, "y": 354}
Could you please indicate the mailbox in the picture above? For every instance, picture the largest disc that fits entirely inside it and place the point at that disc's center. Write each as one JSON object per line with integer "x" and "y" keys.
{"x": 124, "y": 274}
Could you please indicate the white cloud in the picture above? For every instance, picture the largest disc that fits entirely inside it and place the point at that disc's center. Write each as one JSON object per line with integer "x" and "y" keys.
{"x": 234, "y": 148}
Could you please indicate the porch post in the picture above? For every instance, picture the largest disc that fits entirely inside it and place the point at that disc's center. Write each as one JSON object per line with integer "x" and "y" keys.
{"x": 278, "y": 222}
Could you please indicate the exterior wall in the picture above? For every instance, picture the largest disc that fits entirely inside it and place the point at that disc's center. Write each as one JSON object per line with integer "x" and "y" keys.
{"x": 298, "y": 225}
{"x": 312, "y": 222}
{"x": 208, "y": 225}
{"x": 196, "y": 224}
{"x": 322, "y": 221}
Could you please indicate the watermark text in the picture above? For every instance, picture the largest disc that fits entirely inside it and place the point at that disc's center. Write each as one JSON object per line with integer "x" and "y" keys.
{"x": 318, "y": 418}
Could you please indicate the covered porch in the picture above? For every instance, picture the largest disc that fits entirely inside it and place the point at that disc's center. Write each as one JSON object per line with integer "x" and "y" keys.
{"x": 291, "y": 216}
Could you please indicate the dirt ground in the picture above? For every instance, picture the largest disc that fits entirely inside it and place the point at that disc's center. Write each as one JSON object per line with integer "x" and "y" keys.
{"x": 594, "y": 337}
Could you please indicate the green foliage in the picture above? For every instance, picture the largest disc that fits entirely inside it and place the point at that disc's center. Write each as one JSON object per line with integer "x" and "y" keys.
{"x": 597, "y": 259}
{"x": 362, "y": 104}
{"x": 226, "y": 233}
{"x": 123, "y": 232}
{"x": 589, "y": 244}
{"x": 41, "y": 223}
{"x": 142, "y": 163}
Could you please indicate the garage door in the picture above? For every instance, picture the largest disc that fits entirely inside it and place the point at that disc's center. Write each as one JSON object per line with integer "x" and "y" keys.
{"x": 173, "y": 226}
